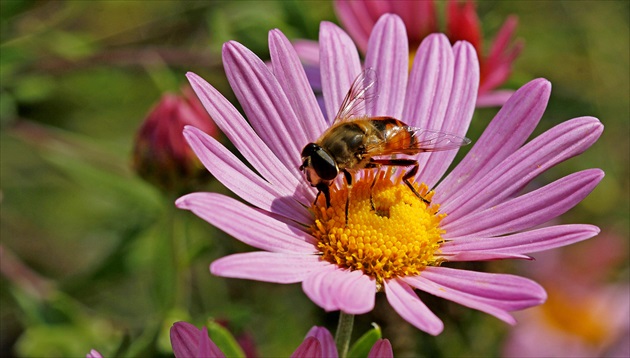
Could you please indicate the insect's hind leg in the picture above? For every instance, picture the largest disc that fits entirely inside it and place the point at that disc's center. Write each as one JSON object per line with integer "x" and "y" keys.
{"x": 410, "y": 174}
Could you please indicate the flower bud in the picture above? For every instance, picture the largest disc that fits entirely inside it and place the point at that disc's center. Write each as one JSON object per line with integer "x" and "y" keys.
{"x": 161, "y": 155}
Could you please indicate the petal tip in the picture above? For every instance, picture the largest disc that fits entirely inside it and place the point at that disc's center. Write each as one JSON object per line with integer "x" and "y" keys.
{"x": 184, "y": 202}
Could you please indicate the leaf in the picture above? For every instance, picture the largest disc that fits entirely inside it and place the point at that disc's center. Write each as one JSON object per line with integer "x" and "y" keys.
{"x": 224, "y": 340}
{"x": 363, "y": 345}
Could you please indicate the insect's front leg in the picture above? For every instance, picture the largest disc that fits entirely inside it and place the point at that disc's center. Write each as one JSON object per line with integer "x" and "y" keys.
{"x": 410, "y": 174}
{"x": 348, "y": 177}
{"x": 323, "y": 188}
{"x": 372, "y": 165}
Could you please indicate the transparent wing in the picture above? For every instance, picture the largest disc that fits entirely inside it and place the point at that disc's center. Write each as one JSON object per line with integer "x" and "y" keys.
{"x": 363, "y": 88}
{"x": 432, "y": 141}
{"x": 417, "y": 141}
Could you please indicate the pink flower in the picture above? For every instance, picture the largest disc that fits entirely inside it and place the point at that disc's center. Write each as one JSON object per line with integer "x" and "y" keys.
{"x": 462, "y": 23}
{"x": 575, "y": 322}
{"x": 586, "y": 315}
{"x": 477, "y": 211}
{"x": 189, "y": 341}
{"x": 161, "y": 155}
{"x": 93, "y": 354}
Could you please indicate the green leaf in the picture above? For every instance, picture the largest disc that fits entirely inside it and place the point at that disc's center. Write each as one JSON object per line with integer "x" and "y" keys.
{"x": 224, "y": 340}
{"x": 363, "y": 345}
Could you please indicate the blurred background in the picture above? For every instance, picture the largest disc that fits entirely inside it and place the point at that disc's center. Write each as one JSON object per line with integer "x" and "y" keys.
{"x": 93, "y": 256}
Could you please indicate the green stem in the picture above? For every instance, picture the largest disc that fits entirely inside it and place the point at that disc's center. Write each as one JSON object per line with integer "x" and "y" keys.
{"x": 179, "y": 247}
{"x": 344, "y": 333}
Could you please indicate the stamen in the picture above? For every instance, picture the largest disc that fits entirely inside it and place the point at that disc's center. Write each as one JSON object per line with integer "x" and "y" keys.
{"x": 399, "y": 237}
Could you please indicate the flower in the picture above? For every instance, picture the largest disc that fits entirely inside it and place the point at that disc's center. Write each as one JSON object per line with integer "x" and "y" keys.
{"x": 586, "y": 315}
{"x": 161, "y": 156}
{"x": 189, "y": 341}
{"x": 575, "y": 322}
{"x": 93, "y": 354}
{"x": 476, "y": 212}
{"x": 462, "y": 23}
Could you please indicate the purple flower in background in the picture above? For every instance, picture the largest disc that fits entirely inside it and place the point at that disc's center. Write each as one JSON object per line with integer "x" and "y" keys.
{"x": 320, "y": 343}
{"x": 476, "y": 212}
{"x": 586, "y": 314}
{"x": 461, "y": 24}
{"x": 190, "y": 341}
{"x": 93, "y": 354}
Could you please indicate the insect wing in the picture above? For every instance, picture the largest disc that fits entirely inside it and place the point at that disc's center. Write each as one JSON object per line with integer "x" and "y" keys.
{"x": 416, "y": 140}
{"x": 427, "y": 140}
{"x": 364, "y": 88}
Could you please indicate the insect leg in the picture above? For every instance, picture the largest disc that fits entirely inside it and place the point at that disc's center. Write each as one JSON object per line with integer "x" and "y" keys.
{"x": 323, "y": 188}
{"x": 407, "y": 176}
{"x": 348, "y": 177}
{"x": 371, "y": 189}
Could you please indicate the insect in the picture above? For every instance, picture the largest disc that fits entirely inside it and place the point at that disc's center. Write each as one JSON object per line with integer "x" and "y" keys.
{"x": 355, "y": 141}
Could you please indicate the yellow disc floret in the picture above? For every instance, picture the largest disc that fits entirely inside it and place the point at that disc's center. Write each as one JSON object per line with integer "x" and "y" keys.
{"x": 389, "y": 232}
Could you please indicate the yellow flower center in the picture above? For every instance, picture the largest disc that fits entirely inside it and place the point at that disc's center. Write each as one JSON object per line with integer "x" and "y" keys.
{"x": 576, "y": 316}
{"x": 400, "y": 236}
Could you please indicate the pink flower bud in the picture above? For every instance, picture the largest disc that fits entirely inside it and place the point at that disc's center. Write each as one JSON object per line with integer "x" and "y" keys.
{"x": 161, "y": 154}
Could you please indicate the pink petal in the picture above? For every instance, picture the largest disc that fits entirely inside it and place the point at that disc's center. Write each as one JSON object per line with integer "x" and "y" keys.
{"x": 310, "y": 348}
{"x": 524, "y": 242}
{"x": 419, "y": 17}
{"x": 560, "y": 143}
{"x": 459, "y": 112}
{"x": 465, "y": 256}
{"x": 308, "y": 51}
{"x": 190, "y": 341}
{"x": 319, "y": 289}
{"x": 493, "y": 98}
{"x": 381, "y": 349}
{"x": 526, "y": 211}
{"x": 479, "y": 290}
{"x": 430, "y": 83}
{"x": 334, "y": 289}
{"x": 502, "y": 40}
{"x": 328, "y": 347}
{"x": 237, "y": 177}
{"x": 408, "y": 305}
{"x": 388, "y": 55}
{"x": 94, "y": 354}
{"x": 507, "y": 132}
{"x": 357, "y": 293}
{"x": 357, "y": 20}
{"x": 339, "y": 65}
{"x": 267, "y": 266}
{"x": 240, "y": 133}
{"x": 247, "y": 224}
{"x": 207, "y": 348}
{"x": 458, "y": 296}
{"x": 184, "y": 339}
{"x": 292, "y": 78}
{"x": 265, "y": 103}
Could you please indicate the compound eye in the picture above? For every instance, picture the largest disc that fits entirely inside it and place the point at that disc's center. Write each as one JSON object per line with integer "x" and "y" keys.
{"x": 310, "y": 149}
{"x": 324, "y": 165}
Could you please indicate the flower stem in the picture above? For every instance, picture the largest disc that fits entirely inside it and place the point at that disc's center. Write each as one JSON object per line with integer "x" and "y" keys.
{"x": 344, "y": 332}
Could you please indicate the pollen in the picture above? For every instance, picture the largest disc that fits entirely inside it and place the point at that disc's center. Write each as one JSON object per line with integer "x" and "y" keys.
{"x": 390, "y": 232}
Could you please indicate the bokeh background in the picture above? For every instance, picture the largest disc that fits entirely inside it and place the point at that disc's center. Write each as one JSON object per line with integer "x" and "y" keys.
{"x": 95, "y": 257}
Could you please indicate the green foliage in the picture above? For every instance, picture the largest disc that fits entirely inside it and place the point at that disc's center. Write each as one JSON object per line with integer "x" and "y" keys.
{"x": 363, "y": 345}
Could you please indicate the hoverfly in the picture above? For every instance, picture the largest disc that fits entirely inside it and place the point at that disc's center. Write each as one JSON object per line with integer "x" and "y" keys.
{"x": 355, "y": 141}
